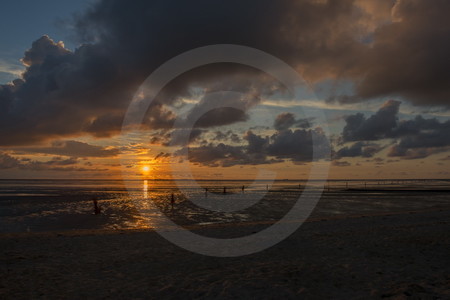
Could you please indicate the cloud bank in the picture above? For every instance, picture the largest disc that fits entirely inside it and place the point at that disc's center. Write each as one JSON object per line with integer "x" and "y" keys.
{"x": 415, "y": 138}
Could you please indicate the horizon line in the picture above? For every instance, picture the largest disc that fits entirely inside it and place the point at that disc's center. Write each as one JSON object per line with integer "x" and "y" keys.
{"x": 229, "y": 179}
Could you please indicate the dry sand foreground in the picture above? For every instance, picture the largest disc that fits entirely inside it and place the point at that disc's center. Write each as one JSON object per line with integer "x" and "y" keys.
{"x": 403, "y": 256}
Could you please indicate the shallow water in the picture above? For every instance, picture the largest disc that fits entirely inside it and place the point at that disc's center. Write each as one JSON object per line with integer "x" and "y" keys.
{"x": 54, "y": 205}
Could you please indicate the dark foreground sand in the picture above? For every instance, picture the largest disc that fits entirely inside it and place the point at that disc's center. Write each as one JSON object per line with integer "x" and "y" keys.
{"x": 403, "y": 256}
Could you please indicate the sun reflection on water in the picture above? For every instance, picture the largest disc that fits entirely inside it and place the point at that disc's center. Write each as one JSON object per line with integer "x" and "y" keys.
{"x": 145, "y": 189}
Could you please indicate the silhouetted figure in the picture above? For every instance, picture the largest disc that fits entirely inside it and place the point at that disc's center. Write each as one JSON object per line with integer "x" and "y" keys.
{"x": 172, "y": 200}
{"x": 206, "y": 192}
{"x": 97, "y": 209}
{"x": 267, "y": 187}
{"x": 224, "y": 190}
{"x": 243, "y": 188}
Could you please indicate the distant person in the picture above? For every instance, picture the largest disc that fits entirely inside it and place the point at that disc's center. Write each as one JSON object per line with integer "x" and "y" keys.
{"x": 243, "y": 189}
{"x": 172, "y": 201}
{"x": 97, "y": 208}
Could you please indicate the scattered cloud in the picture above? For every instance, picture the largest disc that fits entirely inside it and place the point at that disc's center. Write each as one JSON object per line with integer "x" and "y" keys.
{"x": 226, "y": 136}
{"x": 359, "y": 149}
{"x": 73, "y": 148}
{"x": 287, "y": 120}
{"x": 55, "y": 164}
{"x": 341, "y": 163}
{"x": 8, "y": 162}
{"x": 298, "y": 146}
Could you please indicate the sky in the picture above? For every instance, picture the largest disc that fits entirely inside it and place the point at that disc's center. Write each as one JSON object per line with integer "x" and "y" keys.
{"x": 374, "y": 101}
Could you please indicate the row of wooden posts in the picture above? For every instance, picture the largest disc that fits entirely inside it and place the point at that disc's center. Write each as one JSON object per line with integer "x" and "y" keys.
{"x": 329, "y": 186}
{"x": 225, "y": 190}
{"x": 299, "y": 186}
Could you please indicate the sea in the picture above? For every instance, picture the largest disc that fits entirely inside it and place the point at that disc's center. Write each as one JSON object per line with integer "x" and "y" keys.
{"x": 64, "y": 205}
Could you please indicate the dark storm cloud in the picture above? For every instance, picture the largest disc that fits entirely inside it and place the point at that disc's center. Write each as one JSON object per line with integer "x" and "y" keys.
{"x": 105, "y": 125}
{"x": 415, "y": 138}
{"x": 256, "y": 143}
{"x": 299, "y": 145}
{"x": 377, "y": 126}
{"x": 64, "y": 93}
{"x": 409, "y": 56}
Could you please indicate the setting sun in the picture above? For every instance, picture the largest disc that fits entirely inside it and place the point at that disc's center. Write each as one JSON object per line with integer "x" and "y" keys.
{"x": 145, "y": 169}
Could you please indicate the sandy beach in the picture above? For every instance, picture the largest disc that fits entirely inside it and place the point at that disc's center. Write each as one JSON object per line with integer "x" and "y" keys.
{"x": 396, "y": 256}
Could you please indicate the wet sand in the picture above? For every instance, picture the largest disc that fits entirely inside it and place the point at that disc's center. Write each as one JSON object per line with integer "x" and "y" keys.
{"x": 397, "y": 256}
